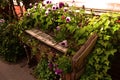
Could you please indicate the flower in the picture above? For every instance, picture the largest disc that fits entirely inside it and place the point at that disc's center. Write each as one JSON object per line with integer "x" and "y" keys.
{"x": 61, "y": 4}
{"x": 63, "y": 43}
{"x": 30, "y": 4}
{"x": 65, "y": 9}
{"x": 68, "y": 19}
{"x": 58, "y": 28}
{"x": 49, "y": 9}
{"x": 47, "y": 2}
{"x": 57, "y": 7}
{"x": 62, "y": 17}
{"x": 46, "y": 12}
{"x": 50, "y": 65}
{"x": 28, "y": 14}
{"x": 2, "y": 20}
{"x": 35, "y": 7}
{"x": 54, "y": 7}
{"x": 73, "y": 1}
{"x": 58, "y": 71}
{"x": 36, "y": 3}
{"x": 118, "y": 21}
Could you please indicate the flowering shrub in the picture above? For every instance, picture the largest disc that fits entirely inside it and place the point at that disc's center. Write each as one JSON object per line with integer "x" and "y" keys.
{"x": 71, "y": 28}
{"x": 52, "y": 68}
{"x": 63, "y": 23}
{"x": 10, "y": 47}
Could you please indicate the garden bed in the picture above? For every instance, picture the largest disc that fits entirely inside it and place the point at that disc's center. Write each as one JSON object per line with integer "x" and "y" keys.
{"x": 78, "y": 60}
{"x": 62, "y": 38}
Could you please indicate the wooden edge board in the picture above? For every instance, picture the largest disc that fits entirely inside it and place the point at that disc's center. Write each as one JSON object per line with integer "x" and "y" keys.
{"x": 46, "y": 41}
{"x": 87, "y": 49}
{"x": 84, "y": 50}
{"x": 84, "y": 46}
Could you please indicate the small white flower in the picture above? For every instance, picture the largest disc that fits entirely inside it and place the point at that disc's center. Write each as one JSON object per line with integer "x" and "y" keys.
{"x": 35, "y": 7}
{"x": 68, "y": 19}
{"x": 21, "y": 3}
{"x": 47, "y": 2}
{"x": 30, "y": 4}
{"x": 49, "y": 9}
{"x": 65, "y": 9}
{"x": 54, "y": 7}
{"x": 46, "y": 12}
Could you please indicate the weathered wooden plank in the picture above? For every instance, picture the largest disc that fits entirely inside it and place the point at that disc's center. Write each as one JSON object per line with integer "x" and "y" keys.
{"x": 46, "y": 39}
{"x": 78, "y": 60}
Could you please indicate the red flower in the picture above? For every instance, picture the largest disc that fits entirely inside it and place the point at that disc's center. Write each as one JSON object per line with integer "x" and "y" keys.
{"x": 118, "y": 21}
{"x": 62, "y": 17}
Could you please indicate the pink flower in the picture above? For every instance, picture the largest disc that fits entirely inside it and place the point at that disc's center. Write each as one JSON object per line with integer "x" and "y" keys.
{"x": 54, "y": 7}
{"x": 47, "y": 2}
{"x": 58, "y": 28}
{"x": 64, "y": 43}
{"x": 30, "y": 4}
{"x": 57, "y": 7}
{"x": 2, "y": 20}
{"x": 58, "y": 71}
{"x": 61, "y": 4}
{"x": 68, "y": 19}
{"x": 50, "y": 65}
{"x": 36, "y": 3}
{"x": 73, "y": 1}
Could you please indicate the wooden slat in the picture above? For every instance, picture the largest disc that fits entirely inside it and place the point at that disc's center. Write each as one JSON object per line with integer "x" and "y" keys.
{"x": 46, "y": 39}
{"x": 78, "y": 60}
{"x": 84, "y": 50}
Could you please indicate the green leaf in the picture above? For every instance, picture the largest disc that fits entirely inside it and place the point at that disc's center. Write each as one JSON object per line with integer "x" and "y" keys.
{"x": 105, "y": 68}
{"x": 106, "y": 24}
{"x": 99, "y": 51}
{"x": 96, "y": 58}
{"x": 81, "y": 41}
{"x": 106, "y": 37}
{"x": 97, "y": 66}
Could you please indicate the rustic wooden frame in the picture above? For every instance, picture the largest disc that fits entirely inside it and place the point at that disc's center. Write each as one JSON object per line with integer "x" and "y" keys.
{"x": 78, "y": 60}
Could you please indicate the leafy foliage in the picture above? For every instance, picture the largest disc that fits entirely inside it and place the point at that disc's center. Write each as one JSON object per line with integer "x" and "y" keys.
{"x": 98, "y": 61}
{"x": 52, "y": 68}
{"x": 64, "y": 63}
{"x": 42, "y": 70}
{"x": 10, "y": 46}
{"x": 75, "y": 27}
{"x": 55, "y": 23}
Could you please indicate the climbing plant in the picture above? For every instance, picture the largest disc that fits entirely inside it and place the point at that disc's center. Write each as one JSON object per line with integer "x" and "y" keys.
{"x": 99, "y": 60}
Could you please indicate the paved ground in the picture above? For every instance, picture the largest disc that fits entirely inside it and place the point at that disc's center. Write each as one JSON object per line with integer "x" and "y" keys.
{"x": 10, "y": 71}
